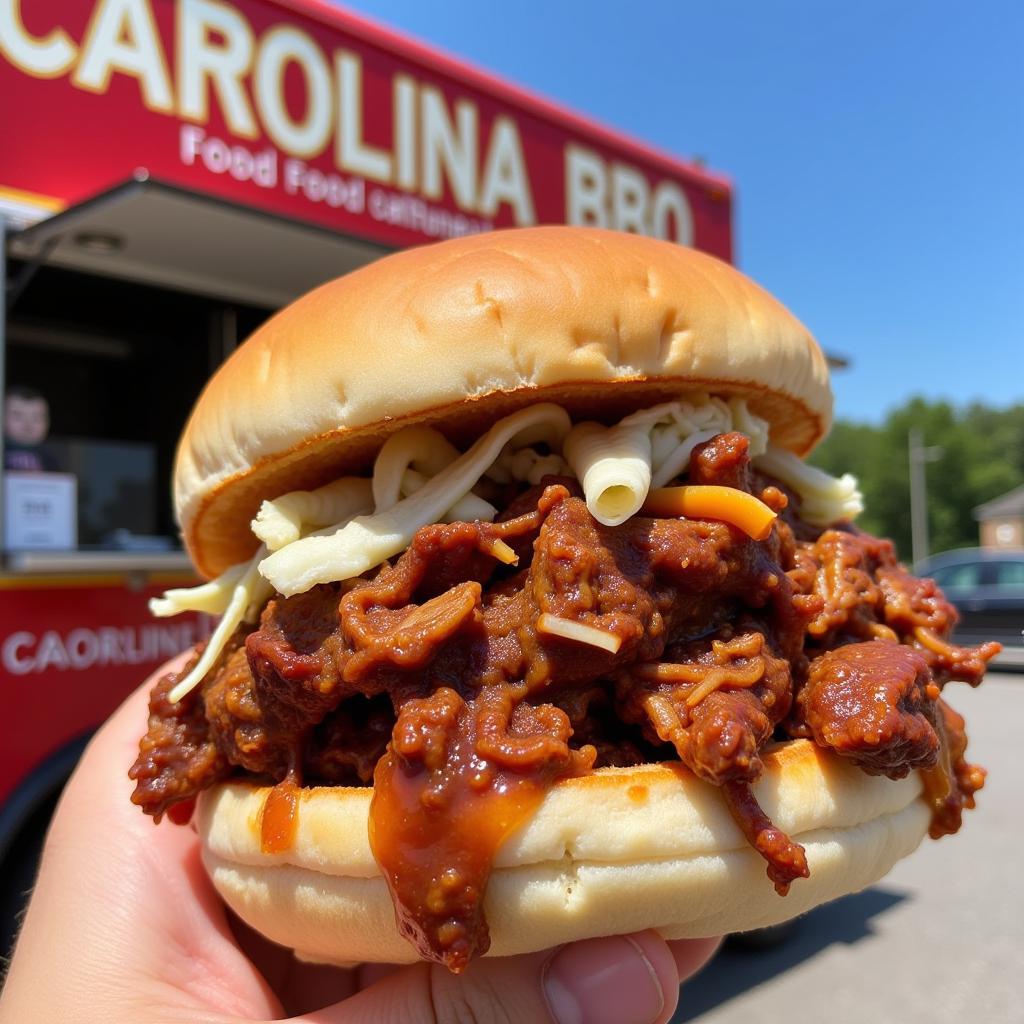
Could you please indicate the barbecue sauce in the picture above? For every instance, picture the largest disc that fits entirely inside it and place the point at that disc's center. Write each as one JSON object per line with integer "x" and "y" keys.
{"x": 457, "y": 780}
{"x": 949, "y": 786}
{"x": 280, "y": 817}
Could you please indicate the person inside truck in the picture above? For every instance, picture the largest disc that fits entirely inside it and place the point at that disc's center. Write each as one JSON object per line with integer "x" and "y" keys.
{"x": 26, "y": 426}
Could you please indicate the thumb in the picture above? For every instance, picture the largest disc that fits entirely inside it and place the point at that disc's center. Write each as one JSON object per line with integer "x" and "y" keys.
{"x": 630, "y": 979}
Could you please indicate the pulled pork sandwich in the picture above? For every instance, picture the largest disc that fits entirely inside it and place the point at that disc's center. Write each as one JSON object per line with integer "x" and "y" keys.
{"x": 534, "y": 625}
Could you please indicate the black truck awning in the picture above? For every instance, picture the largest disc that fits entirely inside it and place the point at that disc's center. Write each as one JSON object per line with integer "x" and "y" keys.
{"x": 151, "y": 232}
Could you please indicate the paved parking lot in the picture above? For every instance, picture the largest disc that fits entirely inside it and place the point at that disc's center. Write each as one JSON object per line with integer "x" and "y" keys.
{"x": 940, "y": 940}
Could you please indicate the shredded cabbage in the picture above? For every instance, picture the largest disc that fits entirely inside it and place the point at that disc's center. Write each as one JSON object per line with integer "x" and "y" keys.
{"x": 367, "y": 541}
{"x": 248, "y": 594}
{"x": 285, "y": 519}
{"x": 823, "y": 498}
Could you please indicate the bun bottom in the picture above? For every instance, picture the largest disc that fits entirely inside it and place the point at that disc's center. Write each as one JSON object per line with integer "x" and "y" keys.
{"x": 618, "y": 851}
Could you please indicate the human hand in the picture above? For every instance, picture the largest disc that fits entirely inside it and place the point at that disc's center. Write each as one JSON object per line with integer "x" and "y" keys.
{"x": 125, "y": 926}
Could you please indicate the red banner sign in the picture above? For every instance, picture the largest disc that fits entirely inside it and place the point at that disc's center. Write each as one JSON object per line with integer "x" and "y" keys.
{"x": 311, "y": 113}
{"x": 69, "y": 654}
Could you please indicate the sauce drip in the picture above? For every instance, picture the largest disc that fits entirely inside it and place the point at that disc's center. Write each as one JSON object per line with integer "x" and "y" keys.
{"x": 459, "y": 778}
{"x": 181, "y": 814}
{"x": 280, "y": 817}
{"x": 950, "y": 785}
{"x": 787, "y": 860}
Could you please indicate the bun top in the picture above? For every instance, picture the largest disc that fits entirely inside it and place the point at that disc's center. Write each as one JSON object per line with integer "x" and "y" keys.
{"x": 463, "y": 332}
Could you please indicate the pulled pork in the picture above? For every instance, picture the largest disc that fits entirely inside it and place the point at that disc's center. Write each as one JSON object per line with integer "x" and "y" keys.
{"x": 436, "y": 679}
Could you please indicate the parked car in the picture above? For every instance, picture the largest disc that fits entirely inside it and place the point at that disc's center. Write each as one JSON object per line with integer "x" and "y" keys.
{"x": 987, "y": 587}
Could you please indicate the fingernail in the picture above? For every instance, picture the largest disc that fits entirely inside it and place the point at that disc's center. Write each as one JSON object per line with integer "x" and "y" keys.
{"x": 603, "y": 981}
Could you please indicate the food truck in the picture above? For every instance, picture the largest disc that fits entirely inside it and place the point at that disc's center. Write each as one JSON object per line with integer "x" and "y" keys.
{"x": 171, "y": 173}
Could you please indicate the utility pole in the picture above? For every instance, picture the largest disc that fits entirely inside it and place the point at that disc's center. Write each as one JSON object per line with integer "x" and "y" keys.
{"x": 918, "y": 455}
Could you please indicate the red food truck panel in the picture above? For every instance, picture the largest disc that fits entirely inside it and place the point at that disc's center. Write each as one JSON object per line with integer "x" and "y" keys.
{"x": 70, "y": 650}
{"x": 314, "y": 114}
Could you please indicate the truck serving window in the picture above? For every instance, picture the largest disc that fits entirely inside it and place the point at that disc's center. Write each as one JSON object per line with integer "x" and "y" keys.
{"x": 119, "y": 365}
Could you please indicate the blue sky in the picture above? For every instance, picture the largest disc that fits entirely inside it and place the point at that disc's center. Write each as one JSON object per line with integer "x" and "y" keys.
{"x": 877, "y": 151}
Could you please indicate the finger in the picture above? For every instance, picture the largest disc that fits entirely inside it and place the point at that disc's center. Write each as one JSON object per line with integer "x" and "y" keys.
{"x": 628, "y": 979}
{"x": 313, "y": 986}
{"x": 369, "y": 974}
{"x": 692, "y": 954}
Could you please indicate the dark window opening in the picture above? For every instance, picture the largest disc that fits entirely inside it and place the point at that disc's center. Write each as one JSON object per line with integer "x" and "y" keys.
{"x": 120, "y": 365}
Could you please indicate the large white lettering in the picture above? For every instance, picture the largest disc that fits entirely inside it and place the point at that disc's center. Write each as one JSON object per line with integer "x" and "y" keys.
{"x": 620, "y": 196}
{"x": 122, "y": 36}
{"x": 630, "y": 198}
{"x": 309, "y": 135}
{"x": 505, "y": 178}
{"x": 388, "y": 128}
{"x": 14, "y": 652}
{"x": 405, "y": 132}
{"x": 671, "y": 214}
{"x": 26, "y": 653}
{"x": 451, "y": 146}
{"x": 46, "y": 56}
{"x": 202, "y": 61}
{"x": 352, "y": 153}
{"x": 586, "y": 188}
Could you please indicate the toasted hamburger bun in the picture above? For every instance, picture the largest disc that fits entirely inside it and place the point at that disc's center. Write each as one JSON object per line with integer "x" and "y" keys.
{"x": 663, "y": 853}
{"x": 461, "y": 333}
